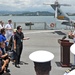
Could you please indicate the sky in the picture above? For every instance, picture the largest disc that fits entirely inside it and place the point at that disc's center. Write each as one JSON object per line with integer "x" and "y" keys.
{"x": 33, "y": 5}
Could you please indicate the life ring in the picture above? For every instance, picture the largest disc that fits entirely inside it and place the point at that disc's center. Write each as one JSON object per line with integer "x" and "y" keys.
{"x": 52, "y": 25}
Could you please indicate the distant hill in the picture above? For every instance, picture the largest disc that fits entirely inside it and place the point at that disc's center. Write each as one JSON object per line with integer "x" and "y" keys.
{"x": 26, "y": 13}
{"x": 29, "y": 13}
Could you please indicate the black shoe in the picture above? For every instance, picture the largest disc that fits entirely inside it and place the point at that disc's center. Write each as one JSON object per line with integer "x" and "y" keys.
{"x": 17, "y": 66}
{"x": 7, "y": 70}
{"x": 6, "y": 73}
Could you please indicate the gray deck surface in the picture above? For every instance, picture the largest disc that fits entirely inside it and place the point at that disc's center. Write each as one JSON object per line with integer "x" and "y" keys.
{"x": 41, "y": 40}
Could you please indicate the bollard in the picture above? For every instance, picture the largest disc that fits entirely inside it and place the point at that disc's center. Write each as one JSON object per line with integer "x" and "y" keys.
{"x": 42, "y": 61}
{"x": 14, "y": 25}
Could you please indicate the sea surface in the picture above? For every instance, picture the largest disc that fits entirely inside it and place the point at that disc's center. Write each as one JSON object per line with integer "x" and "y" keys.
{"x": 47, "y": 19}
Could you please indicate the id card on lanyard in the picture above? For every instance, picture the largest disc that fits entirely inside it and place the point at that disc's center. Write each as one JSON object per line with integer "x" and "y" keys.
{"x": 21, "y": 40}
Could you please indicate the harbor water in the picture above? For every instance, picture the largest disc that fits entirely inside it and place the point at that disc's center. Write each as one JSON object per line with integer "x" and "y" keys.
{"x": 40, "y": 22}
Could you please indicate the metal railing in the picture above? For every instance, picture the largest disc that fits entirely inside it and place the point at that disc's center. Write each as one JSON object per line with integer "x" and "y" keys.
{"x": 38, "y": 26}
{"x": 35, "y": 26}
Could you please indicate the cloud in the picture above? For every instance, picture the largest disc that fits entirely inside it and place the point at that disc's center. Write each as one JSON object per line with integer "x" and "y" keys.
{"x": 29, "y": 4}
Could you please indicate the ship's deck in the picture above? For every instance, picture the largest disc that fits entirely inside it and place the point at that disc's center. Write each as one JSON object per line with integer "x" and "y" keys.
{"x": 41, "y": 40}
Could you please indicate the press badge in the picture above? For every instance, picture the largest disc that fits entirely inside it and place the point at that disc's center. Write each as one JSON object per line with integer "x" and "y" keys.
{"x": 21, "y": 40}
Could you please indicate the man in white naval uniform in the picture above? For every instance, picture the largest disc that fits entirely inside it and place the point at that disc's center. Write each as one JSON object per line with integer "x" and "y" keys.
{"x": 9, "y": 29}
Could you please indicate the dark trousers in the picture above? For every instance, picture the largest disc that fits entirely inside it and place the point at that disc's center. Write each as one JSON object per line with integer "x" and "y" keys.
{"x": 18, "y": 53}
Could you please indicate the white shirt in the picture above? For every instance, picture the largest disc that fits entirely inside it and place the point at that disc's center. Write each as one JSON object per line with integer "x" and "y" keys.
{"x": 9, "y": 33}
{"x": 74, "y": 36}
{"x": 1, "y": 26}
{"x": 74, "y": 33}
